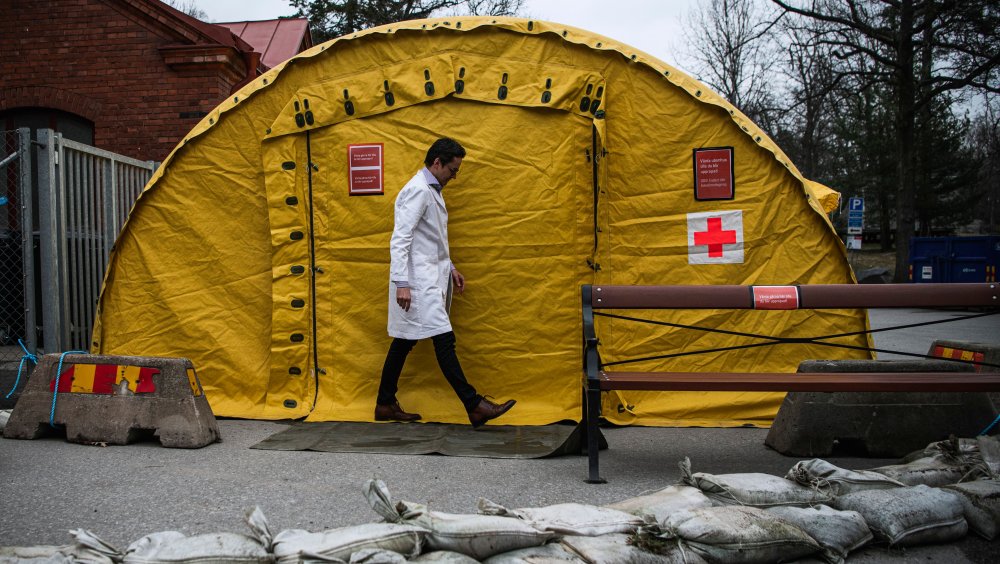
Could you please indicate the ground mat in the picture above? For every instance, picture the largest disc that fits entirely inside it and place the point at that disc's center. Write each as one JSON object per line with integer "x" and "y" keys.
{"x": 493, "y": 441}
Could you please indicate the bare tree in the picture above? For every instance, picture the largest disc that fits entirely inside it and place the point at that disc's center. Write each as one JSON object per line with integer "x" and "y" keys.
{"x": 960, "y": 45}
{"x": 493, "y": 7}
{"x": 811, "y": 83}
{"x": 189, "y": 7}
{"x": 332, "y": 18}
{"x": 734, "y": 52}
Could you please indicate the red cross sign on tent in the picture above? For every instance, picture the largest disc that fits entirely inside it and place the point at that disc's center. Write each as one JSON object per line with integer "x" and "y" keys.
{"x": 715, "y": 237}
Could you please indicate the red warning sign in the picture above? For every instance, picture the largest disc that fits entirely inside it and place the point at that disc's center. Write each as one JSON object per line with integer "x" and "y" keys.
{"x": 775, "y": 297}
{"x": 714, "y": 174}
{"x": 365, "y": 169}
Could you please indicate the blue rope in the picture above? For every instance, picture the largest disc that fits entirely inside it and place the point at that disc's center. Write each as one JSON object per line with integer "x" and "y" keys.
{"x": 55, "y": 389}
{"x": 990, "y": 426}
{"x": 27, "y": 356}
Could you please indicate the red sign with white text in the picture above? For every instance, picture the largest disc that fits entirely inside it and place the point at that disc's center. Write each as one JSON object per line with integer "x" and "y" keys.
{"x": 365, "y": 169}
{"x": 714, "y": 174}
{"x": 775, "y": 297}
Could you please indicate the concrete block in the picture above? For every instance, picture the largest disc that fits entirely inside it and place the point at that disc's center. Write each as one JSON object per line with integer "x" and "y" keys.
{"x": 876, "y": 424}
{"x": 116, "y": 400}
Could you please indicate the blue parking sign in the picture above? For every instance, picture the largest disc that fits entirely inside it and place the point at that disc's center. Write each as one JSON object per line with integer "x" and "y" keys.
{"x": 856, "y": 204}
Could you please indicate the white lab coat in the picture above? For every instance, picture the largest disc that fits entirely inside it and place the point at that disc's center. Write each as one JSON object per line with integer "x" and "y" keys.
{"x": 419, "y": 255}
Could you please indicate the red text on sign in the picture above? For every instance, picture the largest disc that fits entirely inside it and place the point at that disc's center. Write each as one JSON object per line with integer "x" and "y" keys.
{"x": 775, "y": 297}
{"x": 713, "y": 174}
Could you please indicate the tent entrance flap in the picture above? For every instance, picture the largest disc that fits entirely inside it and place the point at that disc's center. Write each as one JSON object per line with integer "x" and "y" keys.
{"x": 519, "y": 230}
{"x": 291, "y": 388}
{"x": 330, "y": 237}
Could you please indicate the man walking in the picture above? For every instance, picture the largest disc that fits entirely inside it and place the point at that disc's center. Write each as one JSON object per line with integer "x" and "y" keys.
{"x": 421, "y": 280}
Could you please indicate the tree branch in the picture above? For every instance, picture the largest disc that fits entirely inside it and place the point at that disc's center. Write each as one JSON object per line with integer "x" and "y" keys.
{"x": 846, "y": 22}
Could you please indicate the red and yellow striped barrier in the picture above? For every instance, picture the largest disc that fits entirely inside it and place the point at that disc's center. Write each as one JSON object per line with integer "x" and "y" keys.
{"x": 109, "y": 378}
{"x": 975, "y": 357}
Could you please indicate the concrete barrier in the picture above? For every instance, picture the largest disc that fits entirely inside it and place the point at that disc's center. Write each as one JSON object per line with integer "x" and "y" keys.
{"x": 875, "y": 423}
{"x": 115, "y": 400}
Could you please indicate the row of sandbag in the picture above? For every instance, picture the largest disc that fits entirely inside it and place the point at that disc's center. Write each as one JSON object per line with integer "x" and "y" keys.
{"x": 763, "y": 519}
{"x": 821, "y": 508}
{"x": 816, "y": 508}
{"x": 410, "y": 532}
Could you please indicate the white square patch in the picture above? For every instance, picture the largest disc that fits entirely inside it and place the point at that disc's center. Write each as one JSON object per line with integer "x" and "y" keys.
{"x": 715, "y": 237}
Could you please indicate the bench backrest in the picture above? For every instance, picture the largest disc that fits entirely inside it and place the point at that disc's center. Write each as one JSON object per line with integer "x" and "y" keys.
{"x": 813, "y": 296}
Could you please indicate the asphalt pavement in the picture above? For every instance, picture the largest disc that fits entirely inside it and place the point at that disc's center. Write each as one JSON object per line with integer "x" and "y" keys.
{"x": 121, "y": 493}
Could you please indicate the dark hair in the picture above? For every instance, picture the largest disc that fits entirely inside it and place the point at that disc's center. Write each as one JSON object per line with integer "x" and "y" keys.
{"x": 445, "y": 149}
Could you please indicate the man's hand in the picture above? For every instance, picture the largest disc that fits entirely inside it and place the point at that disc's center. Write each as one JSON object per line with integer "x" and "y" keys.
{"x": 403, "y": 298}
{"x": 458, "y": 280}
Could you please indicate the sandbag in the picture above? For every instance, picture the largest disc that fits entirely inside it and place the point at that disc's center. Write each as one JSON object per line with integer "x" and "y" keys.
{"x": 752, "y": 489}
{"x": 444, "y": 557}
{"x": 838, "y": 532}
{"x": 545, "y": 554}
{"x": 980, "y": 505}
{"x": 477, "y": 536}
{"x": 88, "y": 548}
{"x": 568, "y": 518}
{"x": 4, "y": 417}
{"x": 931, "y": 471}
{"x": 955, "y": 448}
{"x": 663, "y": 503}
{"x": 377, "y": 556}
{"x": 614, "y": 549}
{"x": 737, "y": 535}
{"x": 820, "y": 474}
{"x": 175, "y": 547}
{"x": 909, "y": 516}
{"x": 294, "y": 545}
{"x": 952, "y": 457}
{"x": 35, "y": 555}
{"x": 989, "y": 450}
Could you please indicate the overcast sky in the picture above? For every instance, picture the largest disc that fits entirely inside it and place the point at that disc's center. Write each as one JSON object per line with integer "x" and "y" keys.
{"x": 653, "y": 26}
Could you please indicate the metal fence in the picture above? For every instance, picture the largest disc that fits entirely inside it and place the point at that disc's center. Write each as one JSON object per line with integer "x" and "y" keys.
{"x": 65, "y": 203}
{"x": 15, "y": 269}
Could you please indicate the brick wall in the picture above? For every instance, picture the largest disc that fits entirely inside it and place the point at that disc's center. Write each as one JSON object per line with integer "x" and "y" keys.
{"x": 105, "y": 60}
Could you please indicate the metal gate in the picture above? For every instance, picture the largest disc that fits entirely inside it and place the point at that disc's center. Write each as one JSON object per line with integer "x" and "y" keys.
{"x": 65, "y": 203}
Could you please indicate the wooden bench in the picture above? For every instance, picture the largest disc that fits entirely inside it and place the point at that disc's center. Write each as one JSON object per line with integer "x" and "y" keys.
{"x": 832, "y": 296}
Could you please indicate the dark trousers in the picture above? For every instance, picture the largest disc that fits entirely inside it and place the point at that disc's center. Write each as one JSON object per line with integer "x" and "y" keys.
{"x": 444, "y": 349}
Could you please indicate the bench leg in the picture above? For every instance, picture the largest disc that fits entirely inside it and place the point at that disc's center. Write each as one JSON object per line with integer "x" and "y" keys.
{"x": 592, "y": 412}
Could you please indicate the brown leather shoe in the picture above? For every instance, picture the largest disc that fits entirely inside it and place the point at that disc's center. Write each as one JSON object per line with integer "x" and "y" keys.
{"x": 487, "y": 410}
{"x": 393, "y": 412}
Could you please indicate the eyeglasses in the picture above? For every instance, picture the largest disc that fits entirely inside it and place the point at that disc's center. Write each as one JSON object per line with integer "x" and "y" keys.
{"x": 451, "y": 168}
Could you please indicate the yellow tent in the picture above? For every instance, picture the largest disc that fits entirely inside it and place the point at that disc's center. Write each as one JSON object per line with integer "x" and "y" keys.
{"x": 260, "y": 248}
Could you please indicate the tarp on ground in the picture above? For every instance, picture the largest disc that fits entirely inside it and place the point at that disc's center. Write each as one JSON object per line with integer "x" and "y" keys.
{"x": 259, "y": 249}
